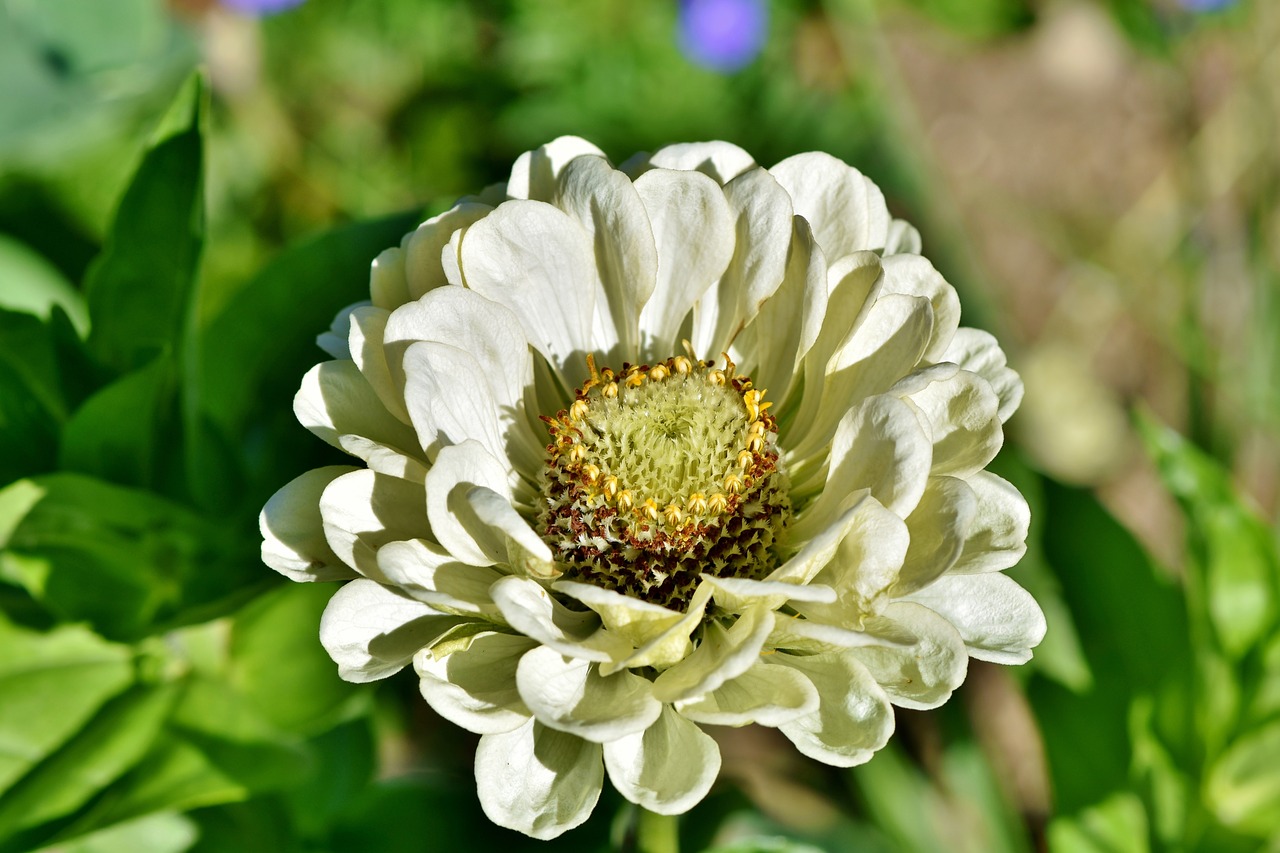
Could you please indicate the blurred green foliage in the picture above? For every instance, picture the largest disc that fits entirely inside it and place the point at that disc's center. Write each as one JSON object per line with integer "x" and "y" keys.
{"x": 163, "y": 691}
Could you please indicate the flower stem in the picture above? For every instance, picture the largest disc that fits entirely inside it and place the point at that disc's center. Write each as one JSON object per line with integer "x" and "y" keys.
{"x": 656, "y": 833}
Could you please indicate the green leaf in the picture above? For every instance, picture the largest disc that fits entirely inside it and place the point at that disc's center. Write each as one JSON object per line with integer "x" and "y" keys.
{"x": 1124, "y": 609}
{"x": 113, "y": 741}
{"x": 69, "y": 669}
{"x": 140, "y": 288}
{"x": 165, "y": 832}
{"x": 118, "y": 558}
{"x": 1243, "y": 787}
{"x": 1240, "y": 565}
{"x": 126, "y": 432}
{"x": 280, "y": 667}
{"x": 33, "y": 285}
{"x": 1116, "y": 825}
{"x": 257, "y": 349}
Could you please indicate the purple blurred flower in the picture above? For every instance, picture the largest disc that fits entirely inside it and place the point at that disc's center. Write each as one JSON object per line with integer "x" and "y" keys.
{"x": 260, "y": 7}
{"x": 723, "y": 35}
{"x": 1205, "y": 5}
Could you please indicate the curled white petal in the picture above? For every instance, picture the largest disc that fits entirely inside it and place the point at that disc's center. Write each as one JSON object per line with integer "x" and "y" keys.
{"x": 667, "y": 768}
{"x": 372, "y": 631}
{"x": 998, "y": 620}
{"x": 293, "y": 540}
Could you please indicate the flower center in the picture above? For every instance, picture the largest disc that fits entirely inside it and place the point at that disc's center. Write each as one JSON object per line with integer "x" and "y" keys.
{"x": 660, "y": 473}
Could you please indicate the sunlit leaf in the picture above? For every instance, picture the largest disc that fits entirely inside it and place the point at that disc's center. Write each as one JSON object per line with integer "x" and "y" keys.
{"x": 69, "y": 669}
{"x": 165, "y": 832}
{"x": 1243, "y": 787}
{"x": 1116, "y": 825}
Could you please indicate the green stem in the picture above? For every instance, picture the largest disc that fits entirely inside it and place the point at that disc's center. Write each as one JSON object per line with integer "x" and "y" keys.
{"x": 656, "y": 833}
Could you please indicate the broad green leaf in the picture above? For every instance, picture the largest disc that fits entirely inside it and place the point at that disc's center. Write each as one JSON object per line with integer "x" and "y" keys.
{"x": 33, "y": 285}
{"x": 127, "y": 432}
{"x": 1243, "y": 787}
{"x": 69, "y": 669}
{"x": 1116, "y": 825}
{"x": 119, "y": 558}
{"x": 140, "y": 288}
{"x": 165, "y": 832}
{"x": 345, "y": 761}
{"x": 280, "y": 667}
{"x": 1134, "y": 632}
{"x": 27, "y": 424}
{"x": 113, "y": 741}
{"x": 256, "y": 350}
{"x": 1168, "y": 789}
{"x": 1235, "y": 548}
{"x": 28, "y": 350}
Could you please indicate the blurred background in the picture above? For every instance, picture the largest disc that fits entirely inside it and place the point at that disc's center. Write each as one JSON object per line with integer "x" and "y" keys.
{"x": 1099, "y": 178}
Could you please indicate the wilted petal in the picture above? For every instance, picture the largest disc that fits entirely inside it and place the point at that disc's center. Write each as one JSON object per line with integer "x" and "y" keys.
{"x": 571, "y": 695}
{"x": 474, "y": 685}
{"x": 293, "y": 540}
{"x": 853, "y": 719}
{"x": 668, "y": 768}
{"x": 372, "y": 631}
{"x": 537, "y": 780}
{"x": 998, "y": 620}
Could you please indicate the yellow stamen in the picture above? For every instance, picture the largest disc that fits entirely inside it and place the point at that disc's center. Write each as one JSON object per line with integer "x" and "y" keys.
{"x": 717, "y": 503}
{"x": 697, "y": 503}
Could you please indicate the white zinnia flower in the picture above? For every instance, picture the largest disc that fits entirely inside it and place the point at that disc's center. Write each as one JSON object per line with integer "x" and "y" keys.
{"x": 690, "y": 442}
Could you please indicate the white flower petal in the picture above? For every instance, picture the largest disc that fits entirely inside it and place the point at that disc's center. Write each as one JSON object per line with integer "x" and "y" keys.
{"x": 672, "y": 645}
{"x": 915, "y": 276}
{"x": 815, "y": 636}
{"x": 638, "y": 621}
{"x": 939, "y": 526}
{"x": 978, "y": 351}
{"x": 998, "y": 620}
{"x": 449, "y": 400}
{"x": 765, "y": 694}
{"x": 962, "y": 416}
{"x": 668, "y": 768}
{"x": 605, "y": 203}
{"x": 694, "y": 234}
{"x": 429, "y": 573}
{"x": 880, "y": 446}
{"x": 491, "y": 334}
{"x": 537, "y": 780}
{"x": 535, "y": 172}
{"x": 997, "y": 538}
{"x": 773, "y": 345}
{"x": 920, "y": 675}
{"x": 854, "y": 718}
{"x": 364, "y": 510}
{"x": 293, "y": 540}
{"x": 423, "y": 248}
{"x": 372, "y": 631}
{"x": 532, "y": 611}
{"x": 738, "y": 594}
{"x": 455, "y": 508}
{"x": 536, "y": 260}
{"x": 762, "y": 218}
{"x": 474, "y": 685}
{"x": 334, "y": 340}
{"x": 903, "y": 239}
{"x": 865, "y": 566}
{"x": 383, "y": 459}
{"x": 388, "y": 287}
{"x": 366, "y": 342}
{"x": 885, "y": 346}
{"x": 847, "y": 211}
{"x": 572, "y": 696}
{"x": 720, "y": 656}
{"x": 721, "y": 161}
{"x": 335, "y": 400}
